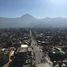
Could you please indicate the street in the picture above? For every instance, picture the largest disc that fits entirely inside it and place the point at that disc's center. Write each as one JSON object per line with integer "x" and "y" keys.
{"x": 38, "y": 54}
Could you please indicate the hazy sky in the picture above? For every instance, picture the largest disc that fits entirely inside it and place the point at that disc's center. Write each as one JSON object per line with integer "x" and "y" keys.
{"x": 37, "y": 8}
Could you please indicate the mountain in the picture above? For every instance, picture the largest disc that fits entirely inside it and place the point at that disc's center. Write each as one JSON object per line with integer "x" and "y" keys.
{"x": 27, "y": 17}
{"x": 23, "y": 21}
{"x": 51, "y": 22}
{"x": 27, "y": 21}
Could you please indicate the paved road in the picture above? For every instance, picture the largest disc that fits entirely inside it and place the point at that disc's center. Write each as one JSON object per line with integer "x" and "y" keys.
{"x": 43, "y": 65}
{"x": 6, "y": 65}
{"x": 38, "y": 54}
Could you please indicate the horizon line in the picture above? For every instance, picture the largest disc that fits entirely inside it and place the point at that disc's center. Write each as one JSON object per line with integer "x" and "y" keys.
{"x": 33, "y": 16}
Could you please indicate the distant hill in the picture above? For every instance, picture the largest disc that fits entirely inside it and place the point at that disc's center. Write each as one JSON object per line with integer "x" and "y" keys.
{"x": 52, "y": 22}
{"x": 27, "y": 20}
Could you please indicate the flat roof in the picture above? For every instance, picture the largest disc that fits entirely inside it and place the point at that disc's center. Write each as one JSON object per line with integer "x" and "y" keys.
{"x": 24, "y": 46}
